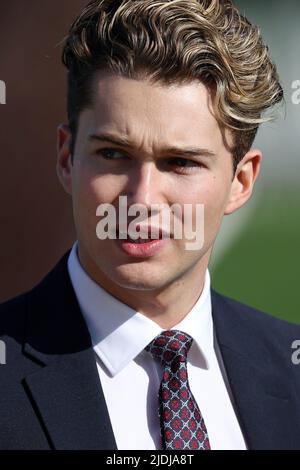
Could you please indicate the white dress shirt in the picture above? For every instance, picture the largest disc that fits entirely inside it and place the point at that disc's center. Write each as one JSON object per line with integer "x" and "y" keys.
{"x": 130, "y": 376}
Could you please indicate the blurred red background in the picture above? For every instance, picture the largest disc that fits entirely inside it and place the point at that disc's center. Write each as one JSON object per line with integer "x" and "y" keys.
{"x": 35, "y": 213}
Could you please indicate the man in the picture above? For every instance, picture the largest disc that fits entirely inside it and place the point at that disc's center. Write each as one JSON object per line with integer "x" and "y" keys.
{"x": 124, "y": 345}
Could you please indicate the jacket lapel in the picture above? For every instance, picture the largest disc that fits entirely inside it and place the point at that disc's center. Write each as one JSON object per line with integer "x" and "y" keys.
{"x": 58, "y": 340}
{"x": 261, "y": 386}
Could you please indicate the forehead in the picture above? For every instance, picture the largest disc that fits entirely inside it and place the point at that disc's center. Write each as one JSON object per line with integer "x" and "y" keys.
{"x": 154, "y": 113}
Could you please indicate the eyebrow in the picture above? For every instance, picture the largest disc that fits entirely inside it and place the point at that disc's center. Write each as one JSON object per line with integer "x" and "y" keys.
{"x": 124, "y": 142}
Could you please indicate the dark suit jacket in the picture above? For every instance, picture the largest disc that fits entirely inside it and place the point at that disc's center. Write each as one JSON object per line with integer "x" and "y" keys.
{"x": 51, "y": 396}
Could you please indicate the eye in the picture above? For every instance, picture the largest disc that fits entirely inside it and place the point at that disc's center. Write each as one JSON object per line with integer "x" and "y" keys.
{"x": 184, "y": 164}
{"x": 110, "y": 154}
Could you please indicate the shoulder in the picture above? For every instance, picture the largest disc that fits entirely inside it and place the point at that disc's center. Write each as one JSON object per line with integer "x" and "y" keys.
{"x": 13, "y": 320}
{"x": 252, "y": 315}
{"x": 253, "y": 326}
{"x": 13, "y": 313}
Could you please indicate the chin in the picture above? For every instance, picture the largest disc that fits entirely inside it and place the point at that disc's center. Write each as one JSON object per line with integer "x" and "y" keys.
{"x": 136, "y": 279}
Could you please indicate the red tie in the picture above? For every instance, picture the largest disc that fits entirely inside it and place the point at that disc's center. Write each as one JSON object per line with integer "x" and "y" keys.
{"x": 182, "y": 426}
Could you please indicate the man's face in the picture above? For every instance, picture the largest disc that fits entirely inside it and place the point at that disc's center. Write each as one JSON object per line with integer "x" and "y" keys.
{"x": 152, "y": 118}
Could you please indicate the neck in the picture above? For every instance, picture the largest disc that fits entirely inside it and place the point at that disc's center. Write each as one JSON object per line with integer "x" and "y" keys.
{"x": 166, "y": 306}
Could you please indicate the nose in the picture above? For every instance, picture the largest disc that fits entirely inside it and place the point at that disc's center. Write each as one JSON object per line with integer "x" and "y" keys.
{"x": 145, "y": 185}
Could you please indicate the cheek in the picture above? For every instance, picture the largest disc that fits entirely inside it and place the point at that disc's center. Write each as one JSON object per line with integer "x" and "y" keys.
{"x": 212, "y": 193}
{"x": 95, "y": 190}
{"x": 209, "y": 194}
{"x": 90, "y": 192}
{"x": 85, "y": 201}
{"x": 215, "y": 199}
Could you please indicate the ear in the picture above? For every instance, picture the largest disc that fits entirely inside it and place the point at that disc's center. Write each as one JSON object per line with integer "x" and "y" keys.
{"x": 64, "y": 157}
{"x": 245, "y": 176}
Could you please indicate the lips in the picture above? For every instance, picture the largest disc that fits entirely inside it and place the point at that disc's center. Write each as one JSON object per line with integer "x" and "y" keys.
{"x": 142, "y": 234}
{"x": 149, "y": 243}
{"x": 143, "y": 248}
{"x": 140, "y": 240}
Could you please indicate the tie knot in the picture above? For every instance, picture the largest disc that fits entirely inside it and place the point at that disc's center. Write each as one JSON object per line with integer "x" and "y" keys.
{"x": 170, "y": 347}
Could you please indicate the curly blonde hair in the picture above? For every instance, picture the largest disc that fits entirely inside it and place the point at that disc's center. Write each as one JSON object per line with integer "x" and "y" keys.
{"x": 176, "y": 41}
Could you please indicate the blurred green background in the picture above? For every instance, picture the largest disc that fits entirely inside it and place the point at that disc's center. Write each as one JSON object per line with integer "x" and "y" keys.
{"x": 257, "y": 256}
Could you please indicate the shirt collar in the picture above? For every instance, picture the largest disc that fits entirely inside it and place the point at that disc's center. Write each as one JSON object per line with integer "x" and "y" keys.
{"x": 119, "y": 333}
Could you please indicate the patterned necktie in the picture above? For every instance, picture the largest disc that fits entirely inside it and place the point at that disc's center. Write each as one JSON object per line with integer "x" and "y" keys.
{"x": 182, "y": 426}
